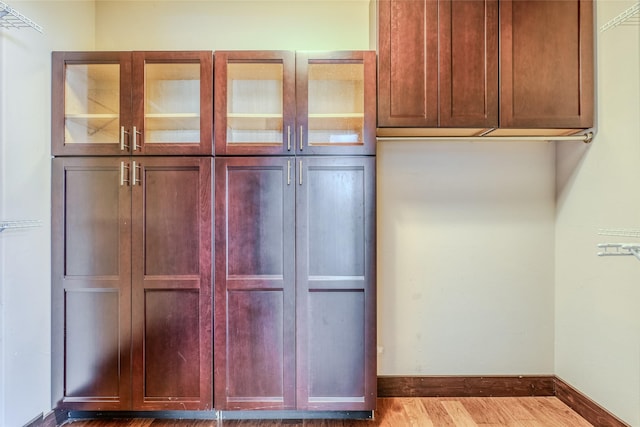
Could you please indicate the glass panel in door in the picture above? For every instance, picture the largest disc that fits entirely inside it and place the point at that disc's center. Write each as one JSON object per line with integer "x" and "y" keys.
{"x": 336, "y": 103}
{"x": 172, "y": 103}
{"x": 92, "y": 104}
{"x": 255, "y": 103}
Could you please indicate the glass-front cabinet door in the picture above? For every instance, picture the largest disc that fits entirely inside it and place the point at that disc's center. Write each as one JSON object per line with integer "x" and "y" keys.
{"x": 172, "y": 103}
{"x": 91, "y": 103}
{"x": 254, "y": 102}
{"x": 335, "y": 102}
{"x": 121, "y": 103}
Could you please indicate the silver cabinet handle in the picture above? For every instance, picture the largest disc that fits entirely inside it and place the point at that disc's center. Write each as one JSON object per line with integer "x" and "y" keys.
{"x": 123, "y": 146}
{"x": 288, "y": 172}
{"x": 122, "y": 178}
{"x": 301, "y": 137}
{"x": 135, "y": 134}
{"x": 134, "y": 179}
{"x": 300, "y": 172}
{"x": 288, "y": 138}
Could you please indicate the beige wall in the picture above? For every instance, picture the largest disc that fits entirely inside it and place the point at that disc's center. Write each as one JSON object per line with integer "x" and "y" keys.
{"x": 236, "y": 24}
{"x": 25, "y": 88}
{"x": 597, "y": 299}
{"x": 465, "y": 258}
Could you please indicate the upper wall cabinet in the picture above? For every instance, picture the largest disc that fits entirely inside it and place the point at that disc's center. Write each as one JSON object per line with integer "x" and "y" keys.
{"x": 438, "y": 63}
{"x": 282, "y": 102}
{"x": 546, "y": 63}
{"x": 120, "y": 103}
{"x": 439, "y": 60}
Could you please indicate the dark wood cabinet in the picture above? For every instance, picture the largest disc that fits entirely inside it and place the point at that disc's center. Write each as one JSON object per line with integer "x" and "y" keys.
{"x": 546, "y": 63}
{"x": 295, "y": 283}
{"x": 131, "y": 285}
{"x": 335, "y": 283}
{"x": 255, "y": 283}
{"x": 438, "y": 66}
{"x": 438, "y": 63}
{"x": 295, "y": 103}
{"x": 138, "y": 103}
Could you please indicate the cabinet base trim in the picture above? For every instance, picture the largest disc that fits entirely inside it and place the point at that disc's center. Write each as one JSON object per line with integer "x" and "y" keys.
{"x": 498, "y": 386}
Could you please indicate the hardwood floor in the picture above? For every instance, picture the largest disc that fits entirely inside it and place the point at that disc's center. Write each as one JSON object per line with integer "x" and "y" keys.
{"x": 410, "y": 412}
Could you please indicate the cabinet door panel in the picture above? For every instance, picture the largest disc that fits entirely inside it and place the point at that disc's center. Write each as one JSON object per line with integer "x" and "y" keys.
{"x": 171, "y": 343}
{"x": 546, "y": 60}
{"x": 335, "y": 102}
{"x": 255, "y": 295}
{"x": 171, "y": 295}
{"x": 91, "y": 103}
{"x": 335, "y": 253}
{"x": 254, "y": 102}
{"x": 92, "y": 344}
{"x": 468, "y": 87}
{"x": 256, "y": 346}
{"x": 408, "y": 63}
{"x": 172, "y": 103}
{"x": 91, "y": 278}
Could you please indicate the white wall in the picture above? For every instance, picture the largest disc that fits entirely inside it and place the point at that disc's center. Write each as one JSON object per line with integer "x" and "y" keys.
{"x": 465, "y": 258}
{"x": 25, "y": 86}
{"x": 597, "y": 299}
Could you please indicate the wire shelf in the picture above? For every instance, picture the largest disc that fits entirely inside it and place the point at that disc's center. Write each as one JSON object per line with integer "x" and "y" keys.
{"x": 11, "y": 18}
{"x": 631, "y": 16}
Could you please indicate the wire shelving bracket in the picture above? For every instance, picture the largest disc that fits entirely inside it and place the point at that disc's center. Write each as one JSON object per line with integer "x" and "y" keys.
{"x": 27, "y": 223}
{"x": 629, "y": 16}
{"x": 11, "y": 18}
{"x": 619, "y": 249}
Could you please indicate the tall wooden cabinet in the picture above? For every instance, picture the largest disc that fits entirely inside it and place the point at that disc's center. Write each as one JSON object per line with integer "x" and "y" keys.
{"x": 132, "y": 233}
{"x": 132, "y": 283}
{"x": 481, "y": 65}
{"x": 295, "y": 231}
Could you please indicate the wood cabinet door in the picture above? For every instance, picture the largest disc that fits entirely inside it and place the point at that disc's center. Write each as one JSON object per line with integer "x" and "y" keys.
{"x": 438, "y": 63}
{"x": 546, "y": 64}
{"x": 407, "y": 63}
{"x": 90, "y": 103}
{"x": 172, "y": 103}
{"x": 254, "y": 284}
{"x": 171, "y": 283}
{"x": 91, "y": 284}
{"x": 336, "y": 103}
{"x": 468, "y": 76}
{"x": 254, "y": 102}
{"x": 335, "y": 283}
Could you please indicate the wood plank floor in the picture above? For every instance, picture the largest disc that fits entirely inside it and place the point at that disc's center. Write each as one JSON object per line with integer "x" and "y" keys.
{"x": 410, "y": 412}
